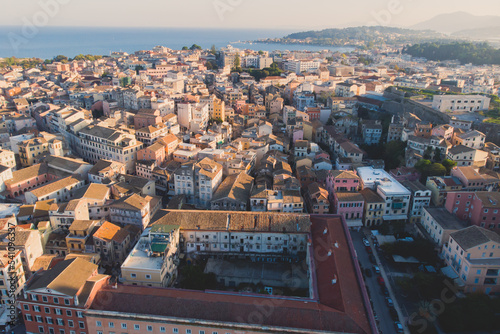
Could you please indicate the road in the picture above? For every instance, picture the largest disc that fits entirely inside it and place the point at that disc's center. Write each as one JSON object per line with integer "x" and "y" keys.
{"x": 386, "y": 324}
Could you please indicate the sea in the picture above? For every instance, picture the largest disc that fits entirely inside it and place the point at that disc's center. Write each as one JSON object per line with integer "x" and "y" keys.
{"x": 48, "y": 42}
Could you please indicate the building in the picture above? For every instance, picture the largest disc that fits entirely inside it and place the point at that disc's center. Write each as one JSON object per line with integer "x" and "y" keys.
{"x": 133, "y": 209}
{"x": 440, "y": 186}
{"x": 151, "y": 261}
{"x": 473, "y": 139}
{"x": 463, "y": 155}
{"x": 468, "y": 103}
{"x": 473, "y": 254}
{"x": 233, "y": 193}
{"x": 112, "y": 242}
{"x": 62, "y": 215}
{"x": 480, "y": 208}
{"x": 439, "y": 224}
{"x": 61, "y": 190}
{"x": 338, "y": 180}
{"x": 493, "y": 161}
{"x": 33, "y": 150}
{"x": 372, "y": 132}
{"x": 106, "y": 169}
{"x": 350, "y": 206}
{"x": 395, "y": 196}
{"x": 55, "y": 300}
{"x": 29, "y": 243}
{"x": 96, "y": 143}
{"x": 344, "y": 305}
{"x": 420, "y": 198}
{"x": 374, "y": 208}
{"x": 11, "y": 266}
{"x": 8, "y": 158}
{"x": 316, "y": 199}
{"x": 470, "y": 178}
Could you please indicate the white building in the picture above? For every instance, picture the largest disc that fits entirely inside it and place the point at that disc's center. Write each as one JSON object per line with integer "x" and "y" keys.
{"x": 395, "y": 196}
{"x": 439, "y": 223}
{"x": 467, "y": 103}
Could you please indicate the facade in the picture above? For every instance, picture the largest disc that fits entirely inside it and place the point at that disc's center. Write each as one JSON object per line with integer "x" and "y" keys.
{"x": 468, "y": 103}
{"x": 55, "y": 300}
{"x": 473, "y": 254}
{"x": 480, "y": 208}
{"x": 439, "y": 224}
{"x": 395, "y": 196}
{"x": 316, "y": 199}
{"x": 153, "y": 260}
{"x": 60, "y": 190}
{"x": 11, "y": 288}
{"x": 133, "y": 209}
{"x": 473, "y": 139}
{"x": 350, "y": 205}
{"x": 440, "y": 186}
{"x": 99, "y": 143}
{"x": 420, "y": 199}
{"x": 112, "y": 242}
{"x": 373, "y": 208}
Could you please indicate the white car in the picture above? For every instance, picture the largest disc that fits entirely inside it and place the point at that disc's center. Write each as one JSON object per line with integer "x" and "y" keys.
{"x": 377, "y": 269}
{"x": 366, "y": 242}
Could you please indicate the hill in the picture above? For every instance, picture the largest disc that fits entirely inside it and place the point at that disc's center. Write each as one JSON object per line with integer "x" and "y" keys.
{"x": 458, "y": 21}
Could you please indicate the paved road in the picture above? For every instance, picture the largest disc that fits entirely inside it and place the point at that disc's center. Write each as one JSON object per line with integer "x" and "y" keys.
{"x": 386, "y": 324}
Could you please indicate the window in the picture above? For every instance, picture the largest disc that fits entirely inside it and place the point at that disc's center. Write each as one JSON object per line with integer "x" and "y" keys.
{"x": 47, "y": 310}
{"x": 58, "y": 311}
{"x": 60, "y": 322}
{"x": 69, "y": 313}
{"x": 49, "y": 320}
{"x": 137, "y": 327}
{"x": 133, "y": 275}
{"x": 188, "y": 331}
{"x": 38, "y": 318}
{"x": 56, "y": 300}
{"x": 40, "y": 329}
{"x": 150, "y": 328}
{"x": 66, "y": 301}
{"x": 98, "y": 324}
{"x": 81, "y": 324}
{"x": 124, "y": 326}
{"x": 79, "y": 314}
{"x": 71, "y": 323}
{"x": 148, "y": 276}
{"x": 45, "y": 299}
{"x": 36, "y": 308}
{"x": 175, "y": 330}
{"x": 163, "y": 329}
{"x": 111, "y": 324}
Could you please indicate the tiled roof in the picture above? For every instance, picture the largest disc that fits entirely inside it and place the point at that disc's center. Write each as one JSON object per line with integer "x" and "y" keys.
{"x": 473, "y": 236}
{"x": 236, "y": 187}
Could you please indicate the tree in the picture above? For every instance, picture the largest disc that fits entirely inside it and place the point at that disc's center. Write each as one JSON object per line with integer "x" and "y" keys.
{"x": 428, "y": 153}
{"x": 437, "y": 155}
{"x": 448, "y": 164}
{"x": 261, "y": 52}
{"x": 422, "y": 165}
{"x": 237, "y": 63}
{"x": 138, "y": 68}
{"x": 184, "y": 48}
{"x": 436, "y": 169}
{"x": 213, "y": 50}
{"x": 195, "y": 47}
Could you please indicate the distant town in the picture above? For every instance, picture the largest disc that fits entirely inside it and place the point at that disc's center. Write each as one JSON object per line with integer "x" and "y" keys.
{"x": 231, "y": 191}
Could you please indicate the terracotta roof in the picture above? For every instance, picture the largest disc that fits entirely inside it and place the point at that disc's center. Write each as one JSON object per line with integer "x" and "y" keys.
{"x": 111, "y": 232}
{"x": 473, "y": 236}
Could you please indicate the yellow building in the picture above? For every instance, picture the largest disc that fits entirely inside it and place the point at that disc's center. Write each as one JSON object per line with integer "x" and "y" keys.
{"x": 31, "y": 151}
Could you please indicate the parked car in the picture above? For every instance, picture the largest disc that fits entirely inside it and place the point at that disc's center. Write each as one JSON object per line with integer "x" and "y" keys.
{"x": 366, "y": 242}
{"x": 399, "y": 327}
{"x": 394, "y": 314}
{"x": 385, "y": 291}
{"x": 389, "y": 302}
{"x": 372, "y": 259}
{"x": 377, "y": 269}
{"x": 368, "y": 272}
{"x": 369, "y": 249}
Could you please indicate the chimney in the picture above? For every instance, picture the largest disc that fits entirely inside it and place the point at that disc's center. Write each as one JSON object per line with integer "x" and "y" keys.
{"x": 334, "y": 280}
{"x": 325, "y": 230}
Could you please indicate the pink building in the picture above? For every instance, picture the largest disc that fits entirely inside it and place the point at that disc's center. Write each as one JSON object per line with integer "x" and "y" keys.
{"x": 27, "y": 179}
{"x": 298, "y": 135}
{"x": 156, "y": 152}
{"x": 339, "y": 180}
{"x": 350, "y": 205}
{"x": 480, "y": 208}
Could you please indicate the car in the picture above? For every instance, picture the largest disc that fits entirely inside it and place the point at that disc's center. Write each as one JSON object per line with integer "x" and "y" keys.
{"x": 381, "y": 281}
{"x": 389, "y": 302}
{"x": 372, "y": 259}
{"x": 394, "y": 314}
{"x": 369, "y": 249}
{"x": 377, "y": 269}
{"x": 385, "y": 291}
{"x": 399, "y": 327}
{"x": 368, "y": 272}
{"x": 366, "y": 242}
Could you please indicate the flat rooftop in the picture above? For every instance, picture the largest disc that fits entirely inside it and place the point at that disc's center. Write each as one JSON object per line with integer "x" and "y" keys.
{"x": 445, "y": 219}
{"x": 139, "y": 257}
{"x": 381, "y": 179}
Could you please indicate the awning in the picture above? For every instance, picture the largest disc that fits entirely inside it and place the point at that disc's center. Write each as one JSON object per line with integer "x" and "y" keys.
{"x": 354, "y": 223}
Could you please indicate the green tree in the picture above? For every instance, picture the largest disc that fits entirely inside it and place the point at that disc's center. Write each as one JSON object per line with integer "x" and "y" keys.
{"x": 437, "y": 155}
{"x": 138, "y": 68}
{"x": 213, "y": 50}
{"x": 436, "y": 169}
{"x": 428, "y": 153}
{"x": 61, "y": 58}
{"x": 195, "y": 47}
{"x": 184, "y": 48}
{"x": 237, "y": 63}
{"x": 448, "y": 164}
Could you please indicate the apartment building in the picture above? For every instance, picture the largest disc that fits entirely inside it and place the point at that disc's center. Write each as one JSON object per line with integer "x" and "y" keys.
{"x": 473, "y": 139}
{"x": 151, "y": 133}
{"x": 11, "y": 266}
{"x": 468, "y": 103}
{"x": 396, "y": 197}
{"x": 33, "y": 150}
{"x": 338, "y": 180}
{"x": 349, "y": 205}
{"x": 79, "y": 234}
{"x": 473, "y": 254}
{"x": 105, "y": 169}
{"x": 62, "y": 215}
{"x": 493, "y": 161}
{"x": 112, "y": 243}
{"x": 28, "y": 242}
{"x": 55, "y": 300}
{"x": 99, "y": 143}
{"x": 60, "y": 190}
{"x": 233, "y": 193}
{"x": 420, "y": 198}
{"x": 439, "y": 224}
{"x": 133, "y": 209}
{"x": 154, "y": 259}
{"x": 316, "y": 199}
{"x": 480, "y": 208}
{"x": 373, "y": 208}
{"x": 8, "y": 159}
{"x": 440, "y": 186}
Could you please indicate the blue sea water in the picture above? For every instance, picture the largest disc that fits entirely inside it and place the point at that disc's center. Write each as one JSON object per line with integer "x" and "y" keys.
{"x": 48, "y": 42}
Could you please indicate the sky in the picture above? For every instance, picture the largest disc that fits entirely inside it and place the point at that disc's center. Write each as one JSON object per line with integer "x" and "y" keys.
{"x": 234, "y": 14}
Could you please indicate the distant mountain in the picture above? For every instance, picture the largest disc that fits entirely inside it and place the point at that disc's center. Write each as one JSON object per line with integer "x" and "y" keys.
{"x": 480, "y": 33}
{"x": 458, "y": 21}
